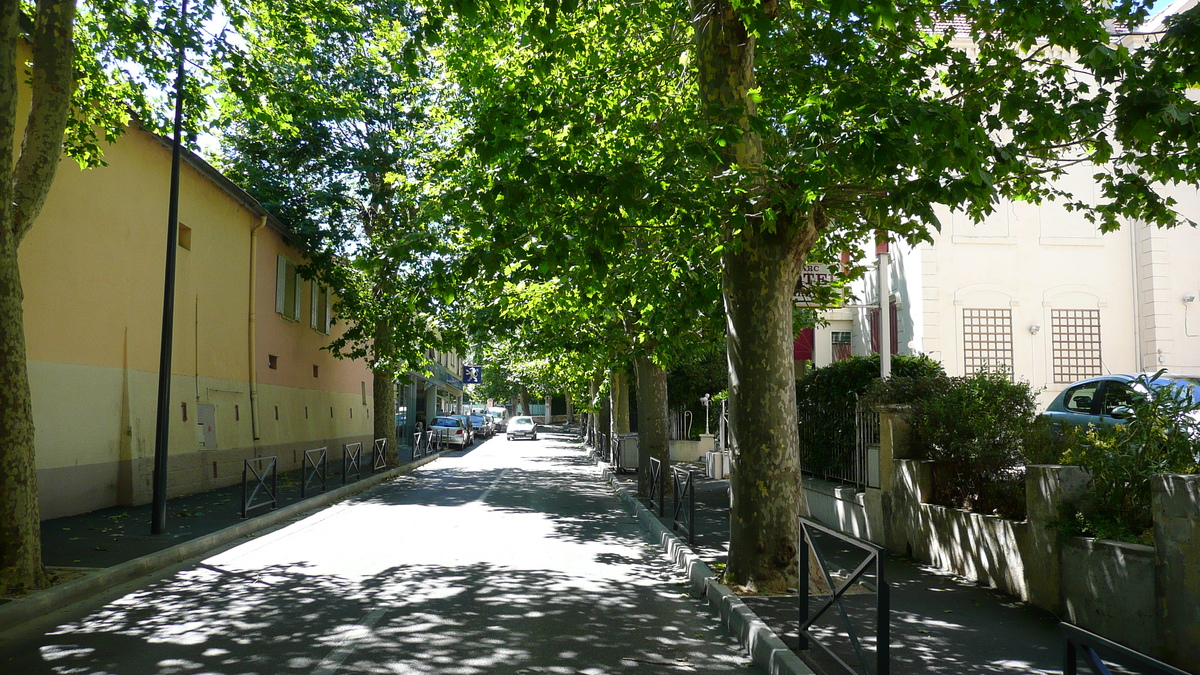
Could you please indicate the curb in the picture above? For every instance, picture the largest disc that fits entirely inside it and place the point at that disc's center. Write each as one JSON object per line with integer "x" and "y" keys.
{"x": 17, "y": 612}
{"x": 766, "y": 650}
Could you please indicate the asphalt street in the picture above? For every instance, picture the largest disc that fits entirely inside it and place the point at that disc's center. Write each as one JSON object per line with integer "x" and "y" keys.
{"x": 510, "y": 557}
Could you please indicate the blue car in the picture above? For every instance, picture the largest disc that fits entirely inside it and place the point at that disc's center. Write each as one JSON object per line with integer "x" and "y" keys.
{"x": 1104, "y": 401}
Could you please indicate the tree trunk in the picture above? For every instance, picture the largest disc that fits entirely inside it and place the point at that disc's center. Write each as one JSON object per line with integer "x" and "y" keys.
{"x": 23, "y": 191}
{"x": 653, "y": 437}
{"x": 20, "y": 536}
{"x": 384, "y": 389}
{"x": 524, "y": 400}
{"x": 570, "y": 409}
{"x": 759, "y": 271}
{"x": 619, "y": 395}
{"x": 603, "y": 424}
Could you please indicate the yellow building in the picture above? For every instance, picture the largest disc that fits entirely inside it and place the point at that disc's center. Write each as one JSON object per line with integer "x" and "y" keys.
{"x": 249, "y": 377}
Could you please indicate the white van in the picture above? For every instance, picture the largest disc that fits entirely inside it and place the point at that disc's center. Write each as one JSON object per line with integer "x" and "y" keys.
{"x": 501, "y": 416}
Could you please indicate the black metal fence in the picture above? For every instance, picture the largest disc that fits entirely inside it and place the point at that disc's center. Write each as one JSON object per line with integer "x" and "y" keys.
{"x": 315, "y": 470}
{"x": 836, "y": 444}
{"x": 266, "y": 469}
{"x": 874, "y": 559}
{"x": 1096, "y": 652}
{"x": 656, "y": 487}
{"x": 683, "y": 495}
{"x": 351, "y": 461}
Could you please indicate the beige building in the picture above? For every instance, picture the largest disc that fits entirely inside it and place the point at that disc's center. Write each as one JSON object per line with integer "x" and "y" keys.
{"x": 249, "y": 377}
{"x": 1036, "y": 290}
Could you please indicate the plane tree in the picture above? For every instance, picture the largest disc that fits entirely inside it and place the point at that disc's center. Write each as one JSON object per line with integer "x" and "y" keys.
{"x": 88, "y": 70}
{"x": 813, "y": 122}
{"x": 328, "y": 132}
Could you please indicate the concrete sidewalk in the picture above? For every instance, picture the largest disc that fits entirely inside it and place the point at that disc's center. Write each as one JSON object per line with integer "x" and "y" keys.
{"x": 939, "y": 623}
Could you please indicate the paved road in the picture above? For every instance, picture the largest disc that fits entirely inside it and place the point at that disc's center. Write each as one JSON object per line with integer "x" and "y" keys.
{"x": 510, "y": 557}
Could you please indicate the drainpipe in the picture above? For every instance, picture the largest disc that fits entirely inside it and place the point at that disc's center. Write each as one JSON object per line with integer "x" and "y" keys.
{"x": 885, "y": 315}
{"x": 251, "y": 329}
{"x": 1134, "y": 262}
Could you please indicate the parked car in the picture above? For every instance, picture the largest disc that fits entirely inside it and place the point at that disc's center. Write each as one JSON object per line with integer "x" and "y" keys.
{"x": 452, "y": 429}
{"x": 483, "y": 425}
{"x": 501, "y": 417}
{"x": 1104, "y": 401}
{"x": 521, "y": 427}
{"x": 471, "y": 430}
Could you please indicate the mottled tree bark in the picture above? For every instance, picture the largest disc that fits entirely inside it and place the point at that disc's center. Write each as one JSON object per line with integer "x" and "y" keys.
{"x": 618, "y": 393}
{"x": 23, "y": 190}
{"x": 653, "y": 436}
{"x": 384, "y": 390}
{"x": 759, "y": 272}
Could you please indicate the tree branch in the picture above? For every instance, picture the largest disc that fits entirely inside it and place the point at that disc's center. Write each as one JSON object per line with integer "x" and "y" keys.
{"x": 52, "y": 83}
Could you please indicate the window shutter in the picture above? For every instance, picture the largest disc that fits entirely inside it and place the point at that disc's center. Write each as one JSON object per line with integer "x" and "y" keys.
{"x": 280, "y": 283}
{"x": 313, "y": 305}
{"x": 299, "y": 293}
{"x": 328, "y": 310}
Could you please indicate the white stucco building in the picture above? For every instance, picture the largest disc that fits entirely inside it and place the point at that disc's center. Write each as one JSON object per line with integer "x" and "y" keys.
{"x": 1037, "y": 290}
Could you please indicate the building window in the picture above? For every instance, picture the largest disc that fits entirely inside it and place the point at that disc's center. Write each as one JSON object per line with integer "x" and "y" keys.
{"x": 316, "y": 371}
{"x": 893, "y": 329}
{"x": 272, "y": 362}
{"x": 987, "y": 341}
{"x": 287, "y": 289}
{"x": 185, "y": 237}
{"x": 840, "y": 343}
{"x": 319, "y": 310}
{"x": 1075, "y": 335}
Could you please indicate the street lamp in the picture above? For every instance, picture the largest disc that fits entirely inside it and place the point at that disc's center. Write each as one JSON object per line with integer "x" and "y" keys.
{"x": 705, "y": 401}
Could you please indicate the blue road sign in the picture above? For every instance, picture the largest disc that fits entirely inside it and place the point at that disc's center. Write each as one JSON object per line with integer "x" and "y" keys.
{"x": 472, "y": 374}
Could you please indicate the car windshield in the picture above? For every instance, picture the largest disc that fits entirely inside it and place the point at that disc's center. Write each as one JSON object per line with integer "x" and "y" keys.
{"x": 523, "y": 420}
{"x": 445, "y": 422}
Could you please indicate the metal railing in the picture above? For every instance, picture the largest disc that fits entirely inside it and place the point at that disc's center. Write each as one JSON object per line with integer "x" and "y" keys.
{"x": 316, "y": 467}
{"x": 684, "y": 492}
{"x": 681, "y": 425}
{"x": 882, "y": 608}
{"x": 378, "y": 455}
{"x": 656, "y": 486}
{"x": 351, "y": 460}
{"x": 1096, "y": 650}
{"x": 417, "y": 446}
{"x": 260, "y": 483}
{"x": 835, "y": 444}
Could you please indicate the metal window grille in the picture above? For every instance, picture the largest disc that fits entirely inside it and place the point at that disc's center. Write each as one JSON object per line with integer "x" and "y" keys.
{"x": 987, "y": 340}
{"x": 1076, "y": 344}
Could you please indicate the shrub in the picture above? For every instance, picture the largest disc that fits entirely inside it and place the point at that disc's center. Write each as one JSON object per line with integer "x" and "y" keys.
{"x": 826, "y": 400}
{"x": 977, "y": 428}
{"x": 1160, "y": 435}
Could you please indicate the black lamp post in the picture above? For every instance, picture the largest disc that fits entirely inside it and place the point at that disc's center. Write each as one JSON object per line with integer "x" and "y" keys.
{"x": 158, "y": 517}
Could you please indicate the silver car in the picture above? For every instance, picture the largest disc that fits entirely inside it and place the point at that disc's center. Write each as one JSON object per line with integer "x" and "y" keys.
{"x": 521, "y": 427}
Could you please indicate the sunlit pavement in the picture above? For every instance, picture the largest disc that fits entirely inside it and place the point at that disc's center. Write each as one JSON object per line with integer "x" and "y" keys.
{"x": 510, "y": 557}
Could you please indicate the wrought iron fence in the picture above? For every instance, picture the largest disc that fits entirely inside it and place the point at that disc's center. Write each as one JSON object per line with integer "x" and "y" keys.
{"x": 684, "y": 494}
{"x": 656, "y": 486}
{"x": 837, "y": 445}
{"x": 268, "y": 470}
{"x": 316, "y": 468}
{"x": 681, "y": 425}
{"x": 874, "y": 559}
{"x": 1096, "y": 651}
{"x": 378, "y": 455}
{"x": 351, "y": 461}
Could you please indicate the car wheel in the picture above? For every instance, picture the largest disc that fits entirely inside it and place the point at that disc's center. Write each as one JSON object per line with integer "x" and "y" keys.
{"x": 535, "y": 437}
{"x": 510, "y": 437}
